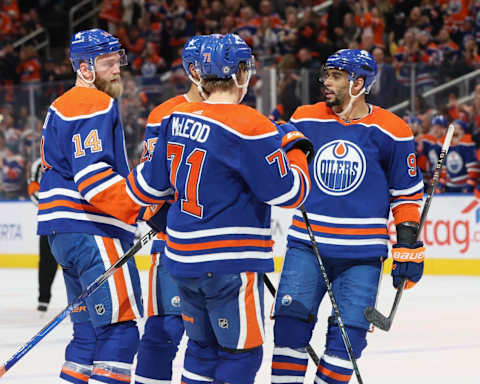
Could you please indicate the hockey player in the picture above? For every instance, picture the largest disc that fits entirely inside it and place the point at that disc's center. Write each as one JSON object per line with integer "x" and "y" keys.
{"x": 164, "y": 326}
{"x": 462, "y": 168}
{"x": 429, "y": 147}
{"x": 364, "y": 166}
{"x": 88, "y": 213}
{"x": 47, "y": 266}
{"x": 228, "y": 164}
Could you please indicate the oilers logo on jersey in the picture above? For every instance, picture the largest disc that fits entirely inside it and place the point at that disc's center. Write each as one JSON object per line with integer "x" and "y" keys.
{"x": 339, "y": 167}
{"x": 454, "y": 162}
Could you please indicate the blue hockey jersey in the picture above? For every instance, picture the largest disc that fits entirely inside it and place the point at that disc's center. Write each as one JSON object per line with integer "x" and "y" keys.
{"x": 83, "y": 150}
{"x": 361, "y": 169}
{"x": 152, "y": 130}
{"x": 227, "y": 167}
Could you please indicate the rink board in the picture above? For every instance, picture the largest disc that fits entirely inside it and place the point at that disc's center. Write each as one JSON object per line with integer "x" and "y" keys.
{"x": 451, "y": 234}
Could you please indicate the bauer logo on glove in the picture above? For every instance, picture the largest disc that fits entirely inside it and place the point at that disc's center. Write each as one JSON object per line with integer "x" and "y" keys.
{"x": 407, "y": 263}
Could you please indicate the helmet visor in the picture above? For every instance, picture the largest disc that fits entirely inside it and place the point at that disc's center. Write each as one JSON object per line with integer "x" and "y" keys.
{"x": 110, "y": 60}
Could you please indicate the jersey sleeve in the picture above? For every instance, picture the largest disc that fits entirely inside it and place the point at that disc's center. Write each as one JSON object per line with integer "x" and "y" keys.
{"x": 274, "y": 177}
{"x": 149, "y": 183}
{"x": 404, "y": 179}
{"x": 93, "y": 147}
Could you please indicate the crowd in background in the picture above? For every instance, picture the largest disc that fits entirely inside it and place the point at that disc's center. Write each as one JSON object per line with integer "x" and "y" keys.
{"x": 438, "y": 39}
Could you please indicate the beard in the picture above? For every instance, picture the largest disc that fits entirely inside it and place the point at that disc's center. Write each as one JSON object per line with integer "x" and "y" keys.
{"x": 338, "y": 99}
{"x": 113, "y": 89}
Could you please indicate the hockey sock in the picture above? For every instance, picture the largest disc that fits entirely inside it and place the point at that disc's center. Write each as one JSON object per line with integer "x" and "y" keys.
{"x": 200, "y": 361}
{"x": 289, "y": 365}
{"x": 116, "y": 346}
{"x": 157, "y": 349}
{"x": 238, "y": 366}
{"x": 333, "y": 370}
{"x": 79, "y": 354}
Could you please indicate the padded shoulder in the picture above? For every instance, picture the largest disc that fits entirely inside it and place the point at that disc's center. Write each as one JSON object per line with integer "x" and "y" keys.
{"x": 239, "y": 119}
{"x": 81, "y": 102}
{"x": 164, "y": 109}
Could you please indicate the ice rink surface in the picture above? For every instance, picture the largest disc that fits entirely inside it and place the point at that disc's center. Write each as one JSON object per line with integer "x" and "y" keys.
{"x": 435, "y": 337}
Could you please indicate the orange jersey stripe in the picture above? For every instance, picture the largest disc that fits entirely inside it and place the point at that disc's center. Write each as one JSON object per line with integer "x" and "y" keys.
{"x": 333, "y": 375}
{"x": 406, "y": 212}
{"x": 341, "y": 231}
{"x": 84, "y": 184}
{"x": 125, "y": 311}
{"x": 76, "y": 375}
{"x": 115, "y": 201}
{"x": 68, "y": 204}
{"x": 289, "y": 366}
{"x": 137, "y": 192}
{"x": 111, "y": 375}
{"x": 417, "y": 196}
{"x": 254, "y": 334}
{"x": 220, "y": 244}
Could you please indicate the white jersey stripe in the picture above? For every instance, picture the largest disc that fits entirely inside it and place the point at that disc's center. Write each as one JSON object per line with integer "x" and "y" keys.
{"x": 102, "y": 187}
{"x": 111, "y": 284}
{"x": 287, "y": 379}
{"x": 90, "y": 168}
{"x": 290, "y": 194}
{"x": 337, "y": 241}
{"x": 147, "y": 188}
{"x": 85, "y": 216}
{"x": 242, "y": 312}
{"x": 79, "y": 117}
{"x": 218, "y": 256}
{"x": 194, "y": 376}
{"x": 258, "y": 307}
{"x": 61, "y": 192}
{"x": 332, "y": 360}
{"x": 408, "y": 191}
{"x": 343, "y": 220}
{"x": 220, "y": 232}
{"x": 154, "y": 285}
{"x": 128, "y": 280}
{"x": 146, "y": 380}
{"x": 390, "y": 134}
{"x": 290, "y": 352}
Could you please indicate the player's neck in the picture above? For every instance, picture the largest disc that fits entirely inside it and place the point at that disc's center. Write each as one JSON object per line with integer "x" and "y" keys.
{"x": 82, "y": 83}
{"x": 359, "y": 110}
{"x": 193, "y": 95}
{"x": 228, "y": 97}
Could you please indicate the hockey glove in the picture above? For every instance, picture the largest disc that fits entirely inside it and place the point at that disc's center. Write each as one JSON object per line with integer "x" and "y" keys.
{"x": 407, "y": 263}
{"x": 293, "y": 138}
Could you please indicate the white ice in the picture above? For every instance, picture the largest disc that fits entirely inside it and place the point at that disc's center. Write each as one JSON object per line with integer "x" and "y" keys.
{"x": 435, "y": 337}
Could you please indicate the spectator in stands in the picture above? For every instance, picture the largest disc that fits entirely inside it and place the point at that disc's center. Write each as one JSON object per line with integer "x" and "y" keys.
{"x": 349, "y": 32}
{"x": 267, "y": 11}
{"x": 471, "y": 56}
{"x": 246, "y": 27}
{"x": 462, "y": 168}
{"x": 265, "y": 43}
{"x": 451, "y": 54}
{"x": 385, "y": 89}
{"x": 336, "y": 14}
{"x": 287, "y": 89}
{"x": 111, "y": 15}
{"x": 310, "y": 63}
{"x": 288, "y": 35}
{"x": 13, "y": 173}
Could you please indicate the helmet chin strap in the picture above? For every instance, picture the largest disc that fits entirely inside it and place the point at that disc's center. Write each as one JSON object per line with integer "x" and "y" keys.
{"x": 83, "y": 78}
{"x": 349, "y": 106}
{"x": 199, "y": 86}
{"x": 244, "y": 86}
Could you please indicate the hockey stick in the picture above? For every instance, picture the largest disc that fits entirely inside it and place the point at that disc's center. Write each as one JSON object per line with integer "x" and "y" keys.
{"x": 372, "y": 315}
{"x": 311, "y": 352}
{"x": 77, "y": 302}
{"x": 336, "y": 311}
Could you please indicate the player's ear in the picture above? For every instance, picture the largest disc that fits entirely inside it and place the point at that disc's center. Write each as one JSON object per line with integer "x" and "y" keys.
{"x": 358, "y": 85}
{"x": 86, "y": 72}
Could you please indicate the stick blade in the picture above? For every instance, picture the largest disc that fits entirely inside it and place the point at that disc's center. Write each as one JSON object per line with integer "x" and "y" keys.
{"x": 2, "y": 370}
{"x": 377, "y": 319}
